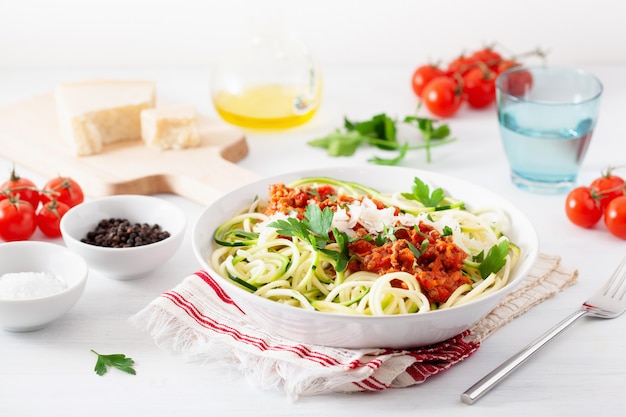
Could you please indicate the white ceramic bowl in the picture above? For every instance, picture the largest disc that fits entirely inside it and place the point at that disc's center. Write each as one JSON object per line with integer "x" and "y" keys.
{"x": 22, "y": 315}
{"x": 124, "y": 263}
{"x": 338, "y": 330}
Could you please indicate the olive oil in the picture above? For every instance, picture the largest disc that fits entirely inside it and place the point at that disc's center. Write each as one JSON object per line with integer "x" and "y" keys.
{"x": 271, "y": 80}
{"x": 271, "y": 106}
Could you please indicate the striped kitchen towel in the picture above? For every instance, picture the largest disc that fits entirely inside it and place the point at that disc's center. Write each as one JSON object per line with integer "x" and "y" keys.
{"x": 198, "y": 320}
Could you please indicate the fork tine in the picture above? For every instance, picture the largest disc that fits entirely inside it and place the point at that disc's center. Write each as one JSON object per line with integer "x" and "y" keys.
{"x": 615, "y": 287}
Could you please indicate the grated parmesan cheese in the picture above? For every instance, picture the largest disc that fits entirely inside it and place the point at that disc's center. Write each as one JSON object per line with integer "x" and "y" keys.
{"x": 28, "y": 285}
{"x": 365, "y": 212}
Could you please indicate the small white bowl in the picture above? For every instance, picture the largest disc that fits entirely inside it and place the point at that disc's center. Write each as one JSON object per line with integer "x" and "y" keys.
{"x": 124, "y": 263}
{"x": 22, "y": 315}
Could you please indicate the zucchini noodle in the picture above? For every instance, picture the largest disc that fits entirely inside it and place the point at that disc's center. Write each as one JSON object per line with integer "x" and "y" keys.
{"x": 357, "y": 264}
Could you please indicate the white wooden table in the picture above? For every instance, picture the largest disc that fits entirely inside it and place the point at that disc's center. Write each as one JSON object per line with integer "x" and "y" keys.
{"x": 50, "y": 372}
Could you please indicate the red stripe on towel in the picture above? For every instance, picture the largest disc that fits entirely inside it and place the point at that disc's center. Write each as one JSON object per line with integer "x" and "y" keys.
{"x": 427, "y": 361}
{"x": 300, "y": 350}
{"x": 371, "y": 384}
{"x": 204, "y": 275}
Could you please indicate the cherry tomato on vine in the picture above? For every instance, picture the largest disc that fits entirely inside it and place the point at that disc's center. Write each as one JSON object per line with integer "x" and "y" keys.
{"x": 423, "y": 75}
{"x": 506, "y": 64}
{"x": 607, "y": 187}
{"x": 442, "y": 96}
{"x": 487, "y": 56}
{"x": 460, "y": 65}
{"x": 582, "y": 208}
{"x": 49, "y": 217}
{"x": 25, "y": 188}
{"x": 518, "y": 83}
{"x": 17, "y": 219}
{"x": 615, "y": 217}
{"x": 479, "y": 86}
{"x": 65, "y": 190}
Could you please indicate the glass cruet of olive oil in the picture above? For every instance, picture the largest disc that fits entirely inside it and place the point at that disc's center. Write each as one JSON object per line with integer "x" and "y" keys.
{"x": 271, "y": 81}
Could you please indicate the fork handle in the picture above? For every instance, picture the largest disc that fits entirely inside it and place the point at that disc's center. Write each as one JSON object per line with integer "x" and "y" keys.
{"x": 480, "y": 388}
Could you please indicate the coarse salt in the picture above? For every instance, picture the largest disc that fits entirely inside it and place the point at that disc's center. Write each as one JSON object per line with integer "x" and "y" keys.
{"x": 27, "y": 285}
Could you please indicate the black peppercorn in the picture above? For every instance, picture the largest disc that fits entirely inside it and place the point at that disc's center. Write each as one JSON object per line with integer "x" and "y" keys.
{"x": 121, "y": 233}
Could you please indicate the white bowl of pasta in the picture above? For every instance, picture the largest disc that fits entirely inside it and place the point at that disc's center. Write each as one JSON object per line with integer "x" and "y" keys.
{"x": 377, "y": 256}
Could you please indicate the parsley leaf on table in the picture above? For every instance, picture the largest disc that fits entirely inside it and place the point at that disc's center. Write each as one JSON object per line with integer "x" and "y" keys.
{"x": 380, "y": 126}
{"x": 381, "y": 131}
{"x": 116, "y": 360}
{"x": 339, "y": 143}
{"x": 428, "y": 129}
{"x": 391, "y": 161}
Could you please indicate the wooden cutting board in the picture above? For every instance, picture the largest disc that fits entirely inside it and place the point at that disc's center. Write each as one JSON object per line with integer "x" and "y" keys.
{"x": 29, "y": 136}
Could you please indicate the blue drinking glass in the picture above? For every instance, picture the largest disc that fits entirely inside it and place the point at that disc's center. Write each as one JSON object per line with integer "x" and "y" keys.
{"x": 547, "y": 116}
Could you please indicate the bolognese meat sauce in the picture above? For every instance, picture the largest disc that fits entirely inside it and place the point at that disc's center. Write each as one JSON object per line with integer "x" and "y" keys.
{"x": 438, "y": 268}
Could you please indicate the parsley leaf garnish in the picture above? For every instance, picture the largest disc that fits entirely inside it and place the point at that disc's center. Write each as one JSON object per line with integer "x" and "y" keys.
{"x": 117, "y": 360}
{"x": 381, "y": 131}
{"x": 421, "y": 193}
{"x": 318, "y": 221}
{"x": 418, "y": 252}
{"x": 342, "y": 256}
{"x": 495, "y": 259}
{"x": 315, "y": 229}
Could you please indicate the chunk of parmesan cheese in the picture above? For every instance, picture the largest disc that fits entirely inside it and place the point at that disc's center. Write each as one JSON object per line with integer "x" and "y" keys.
{"x": 95, "y": 113}
{"x": 170, "y": 127}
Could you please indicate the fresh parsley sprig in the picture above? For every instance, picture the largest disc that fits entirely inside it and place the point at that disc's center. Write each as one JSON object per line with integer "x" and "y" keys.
{"x": 421, "y": 192}
{"x": 116, "y": 360}
{"x": 430, "y": 131}
{"x": 342, "y": 256}
{"x": 495, "y": 259}
{"x": 381, "y": 131}
{"x": 431, "y": 200}
{"x": 315, "y": 229}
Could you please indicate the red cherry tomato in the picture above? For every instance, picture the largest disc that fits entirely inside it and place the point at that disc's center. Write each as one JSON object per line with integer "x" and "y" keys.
{"x": 49, "y": 217}
{"x": 23, "y": 187}
{"x": 487, "y": 56}
{"x": 17, "y": 219}
{"x": 65, "y": 190}
{"x": 517, "y": 83}
{"x": 422, "y": 76}
{"x": 442, "y": 96}
{"x": 506, "y": 64}
{"x": 615, "y": 217}
{"x": 607, "y": 187}
{"x": 479, "y": 86}
{"x": 460, "y": 65}
{"x": 582, "y": 208}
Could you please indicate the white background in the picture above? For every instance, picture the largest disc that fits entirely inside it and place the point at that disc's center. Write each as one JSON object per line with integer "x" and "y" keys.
{"x": 192, "y": 33}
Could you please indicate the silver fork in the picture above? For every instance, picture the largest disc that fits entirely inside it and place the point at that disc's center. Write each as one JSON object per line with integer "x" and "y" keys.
{"x": 609, "y": 302}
